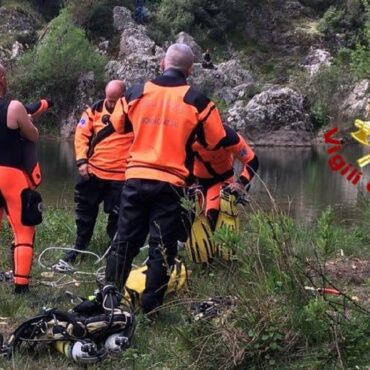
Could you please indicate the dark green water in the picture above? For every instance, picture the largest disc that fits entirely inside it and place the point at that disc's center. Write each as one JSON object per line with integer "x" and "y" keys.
{"x": 299, "y": 180}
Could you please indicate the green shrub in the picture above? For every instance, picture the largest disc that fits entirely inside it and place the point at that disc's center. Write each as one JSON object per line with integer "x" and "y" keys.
{"x": 53, "y": 67}
{"x": 94, "y": 16}
{"x": 345, "y": 18}
{"x": 323, "y": 89}
{"x": 360, "y": 56}
{"x": 331, "y": 21}
{"x": 175, "y": 16}
{"x": 204, "y": 18}
{"x": 320, "y": 114}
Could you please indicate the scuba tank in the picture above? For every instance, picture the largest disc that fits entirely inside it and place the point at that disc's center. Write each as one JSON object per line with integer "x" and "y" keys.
{"x": 82, "y": 352}
{"x": 85, "y": 335}
{"x": 116, "y": 343}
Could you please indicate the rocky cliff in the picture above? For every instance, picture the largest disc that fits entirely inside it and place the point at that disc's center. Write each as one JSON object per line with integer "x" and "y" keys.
{"x": 267, "y": 108}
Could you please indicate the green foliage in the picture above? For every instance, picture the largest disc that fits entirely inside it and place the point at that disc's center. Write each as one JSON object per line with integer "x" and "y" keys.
{"x": 314, "y": 321}
{"x": 331, "y": 83}
{"x": 345, "y": 17}
{"x": 325, "y": 232}
{"x": 94, "y": 16}
{"x": 274, "y": 322}
{"x": 320, "y": 114}
{"x": 227, "y": 239}
{"x": 356, "y": 341}
{"x": 360, "y": 56}
{"x": 53, "y": 67}
{"x": 324, "y": 88}
{"x": 205, "y": 18}
{"x": 331, "y": 21}
{"x": 360, "y": 61}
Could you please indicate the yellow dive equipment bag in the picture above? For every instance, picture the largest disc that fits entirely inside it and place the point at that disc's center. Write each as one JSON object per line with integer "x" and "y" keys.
{"x": 135, "y": 284}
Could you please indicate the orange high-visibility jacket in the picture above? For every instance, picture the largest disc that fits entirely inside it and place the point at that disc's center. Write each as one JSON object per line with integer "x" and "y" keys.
{"x": 218, "y": 164}
{"x": 108, "y": 158}
{"x": 166, "y": 115}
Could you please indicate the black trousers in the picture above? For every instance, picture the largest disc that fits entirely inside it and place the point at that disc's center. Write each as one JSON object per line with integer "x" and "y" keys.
{"x": 88, "y": 196}
{"x": 154, "y": 207}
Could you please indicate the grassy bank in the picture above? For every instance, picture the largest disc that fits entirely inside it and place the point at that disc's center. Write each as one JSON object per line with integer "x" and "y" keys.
{"x": 274, "y": 322}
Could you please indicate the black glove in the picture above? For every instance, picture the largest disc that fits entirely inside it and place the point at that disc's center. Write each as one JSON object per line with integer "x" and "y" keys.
{"x": 238, "y": 191}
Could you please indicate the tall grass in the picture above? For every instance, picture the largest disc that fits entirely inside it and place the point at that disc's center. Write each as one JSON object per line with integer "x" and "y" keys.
{"x": 274, "y": 322}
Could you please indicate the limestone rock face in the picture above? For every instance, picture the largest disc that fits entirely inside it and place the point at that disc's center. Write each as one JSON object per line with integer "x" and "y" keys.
{"x": 276, "y": 116}
{"x": 272, "y": 22}
{"x": 17, "y": 50}
{"x": 185, "y": 38}
{"x": 355, "y": 105}
{"x": 86, "y": 90}
{"x": 133, "y": 70}
{"x": 228, "y": 81}
{"x": 18, "y": 31}
{"x": 315, "y": 59}
{"x": 139, "y": 57}
{"x": 135, "y": 41}
{"x": 122, "y": 18}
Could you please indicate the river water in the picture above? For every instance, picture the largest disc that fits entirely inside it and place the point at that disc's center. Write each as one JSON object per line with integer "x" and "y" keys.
{"x": 299, "y": 180}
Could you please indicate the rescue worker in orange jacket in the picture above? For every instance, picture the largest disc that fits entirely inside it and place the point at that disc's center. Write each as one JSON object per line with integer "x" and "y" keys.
{"x": 15, "y": 124}
{"x": 101, "y": 157}
{"x": 215, "y": 169}
{"x": 165, "y": 115}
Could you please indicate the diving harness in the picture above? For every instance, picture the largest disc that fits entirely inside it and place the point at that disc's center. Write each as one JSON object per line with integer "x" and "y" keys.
{"x": 86, "y": 334}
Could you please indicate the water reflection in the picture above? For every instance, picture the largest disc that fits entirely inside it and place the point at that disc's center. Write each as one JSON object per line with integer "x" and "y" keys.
{"x": 58, "y": 172}
{"x": 299, "y": 179}
{"x": 303, "y": 184}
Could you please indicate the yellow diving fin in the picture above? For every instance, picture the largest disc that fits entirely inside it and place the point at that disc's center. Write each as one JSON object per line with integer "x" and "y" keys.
{"x": 200, "y": 245}
{"x": 135, "y": 284}
{"x": 228, "y": 219}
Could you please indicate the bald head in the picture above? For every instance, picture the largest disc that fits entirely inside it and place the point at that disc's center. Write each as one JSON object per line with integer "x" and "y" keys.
{"x": 113, "y": 91}
{"x": 179, "y": 56}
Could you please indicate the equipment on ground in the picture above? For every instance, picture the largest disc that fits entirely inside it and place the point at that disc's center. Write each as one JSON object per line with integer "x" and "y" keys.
{"x": 6, "y": 276}
{"x": 86, "y": 334}
{"x": 211, "y": 307}
{"x": 200, "y": 246}
{"x": 135, "y": 284}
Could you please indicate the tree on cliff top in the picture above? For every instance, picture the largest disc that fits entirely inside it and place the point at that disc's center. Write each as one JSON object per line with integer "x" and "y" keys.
{"x": 53, "y": 67}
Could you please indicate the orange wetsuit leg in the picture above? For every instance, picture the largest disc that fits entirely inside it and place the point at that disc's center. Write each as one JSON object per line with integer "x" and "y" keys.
{"x": 12, "y": 182}
{"x": 213, "y": 201}
{"x": 213, "y": 197}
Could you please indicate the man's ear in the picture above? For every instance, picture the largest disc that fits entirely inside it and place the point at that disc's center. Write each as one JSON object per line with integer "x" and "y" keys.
{"x": 189, "y": 71}
{"x": 162, "y": 65}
